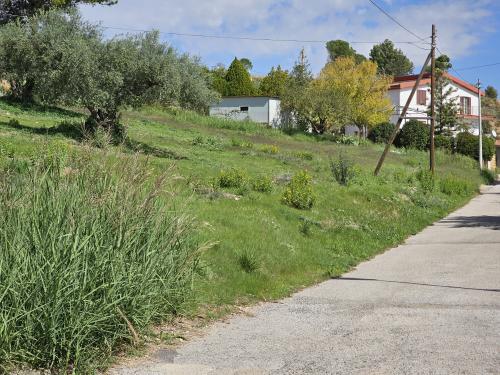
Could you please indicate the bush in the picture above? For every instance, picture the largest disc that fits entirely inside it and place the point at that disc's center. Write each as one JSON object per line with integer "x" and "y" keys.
{"x": 99, "y": 258}
{"x": 299, "y": 192}
{"x": 426, "y": 180}
{"x": 451, "y": 185}
{"x": 414, "y": 134}
{"x": 262, "y": 184}
{"x": 444, "y": 142}
{"x": 232, "y": 178}
{"x": 342, "y": 170}
{"x": 468, "y": 144}
{"x": 381, "y": 132}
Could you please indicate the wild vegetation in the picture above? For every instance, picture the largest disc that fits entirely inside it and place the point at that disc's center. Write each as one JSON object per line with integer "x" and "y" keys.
{"x": 109, "y": 194}
{"x": 129, "y": 257}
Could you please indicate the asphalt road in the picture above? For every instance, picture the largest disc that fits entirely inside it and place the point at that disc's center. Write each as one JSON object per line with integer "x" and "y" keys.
{"x": 430, "y": 306}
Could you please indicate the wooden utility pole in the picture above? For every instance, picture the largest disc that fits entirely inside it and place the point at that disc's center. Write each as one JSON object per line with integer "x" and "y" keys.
{"x": 433, "y": 100}
{"x": 402, "y": 117}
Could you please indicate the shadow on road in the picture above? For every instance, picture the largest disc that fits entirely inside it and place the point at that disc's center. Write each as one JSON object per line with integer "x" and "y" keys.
{"x": 491, "y": 222}
{"x": 411, "y": 283}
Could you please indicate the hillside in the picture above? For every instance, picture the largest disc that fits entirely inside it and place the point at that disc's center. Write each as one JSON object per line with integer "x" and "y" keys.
{"x": 258, "y": 247}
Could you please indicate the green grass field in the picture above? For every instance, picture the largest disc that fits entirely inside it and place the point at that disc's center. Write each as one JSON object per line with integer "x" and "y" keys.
{"x": 260, "y": 248}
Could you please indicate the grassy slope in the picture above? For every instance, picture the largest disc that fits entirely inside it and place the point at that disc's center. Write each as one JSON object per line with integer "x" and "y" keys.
{"x": 348, "y": 224}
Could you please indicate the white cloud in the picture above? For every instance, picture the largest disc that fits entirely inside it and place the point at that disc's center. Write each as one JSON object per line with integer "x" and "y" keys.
{"x": 460, "y": 25}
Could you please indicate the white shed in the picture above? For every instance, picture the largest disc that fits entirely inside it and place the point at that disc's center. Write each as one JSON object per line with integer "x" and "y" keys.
{"x": 262, "y": 109}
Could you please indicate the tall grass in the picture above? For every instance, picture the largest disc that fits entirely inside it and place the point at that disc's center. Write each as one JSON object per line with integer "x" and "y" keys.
{"x": 88, "y": 259}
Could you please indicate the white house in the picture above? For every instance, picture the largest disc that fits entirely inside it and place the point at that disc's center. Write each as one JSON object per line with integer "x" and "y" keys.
{"x": 464, "y": 95}
{"x": 261, "y": 109}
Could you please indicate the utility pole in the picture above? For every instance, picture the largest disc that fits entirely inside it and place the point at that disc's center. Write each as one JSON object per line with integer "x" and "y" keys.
{"x": 480, "y": 126}
{"x": 402, "y": 116}
{"x": 433, "y": 100}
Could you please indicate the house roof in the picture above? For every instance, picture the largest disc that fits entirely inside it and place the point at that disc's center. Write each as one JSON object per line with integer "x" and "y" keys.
{"x": 403, "y": 82}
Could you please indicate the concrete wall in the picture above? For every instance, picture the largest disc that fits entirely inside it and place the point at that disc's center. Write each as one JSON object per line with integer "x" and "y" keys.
{"x": 260, "y": 109}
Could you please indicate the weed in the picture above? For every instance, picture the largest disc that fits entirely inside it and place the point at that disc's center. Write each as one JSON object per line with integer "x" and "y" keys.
{"x": 262, "y": 184}
{"x": 107, "y": 244}
{"x": 14, "y": 123}
{"x": 304, "y": 155}
{"x": 488, "y": 176}
{"x": 242, "y": 144}
{"x": 451, "y": 185}
{"x": 248, "y": 261}
{"x": 299, "y": 192}
{"x": 231, "y": 178}
{"x": 426, "y": 180}
{"x": 342, "y": 170}
{"x": 270, "y": 149}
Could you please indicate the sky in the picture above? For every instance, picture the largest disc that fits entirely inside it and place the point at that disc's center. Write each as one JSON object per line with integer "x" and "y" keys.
{"x": 468, "y": 31}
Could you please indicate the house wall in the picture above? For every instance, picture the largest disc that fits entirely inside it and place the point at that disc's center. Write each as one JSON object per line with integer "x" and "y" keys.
{"x": 274, "y": 112}
{"x": 400, "y": 96}
{"x": 259, "y": 109}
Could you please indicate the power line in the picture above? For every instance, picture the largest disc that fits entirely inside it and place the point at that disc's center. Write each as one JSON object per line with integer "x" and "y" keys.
{"x": 479, "y": 66}
{"x": 396, "y": 21}
{"x": 212, "y": 36}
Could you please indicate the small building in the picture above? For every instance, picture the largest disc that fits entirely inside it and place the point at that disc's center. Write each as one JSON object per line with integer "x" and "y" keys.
{"x": 261, "y": 109}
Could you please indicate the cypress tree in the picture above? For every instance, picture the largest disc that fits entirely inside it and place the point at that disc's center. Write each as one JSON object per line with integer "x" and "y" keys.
{"x": 239, "y": 82}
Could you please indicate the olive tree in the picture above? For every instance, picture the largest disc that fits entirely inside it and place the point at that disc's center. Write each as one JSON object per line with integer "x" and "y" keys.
{"x": 74, "y": 65}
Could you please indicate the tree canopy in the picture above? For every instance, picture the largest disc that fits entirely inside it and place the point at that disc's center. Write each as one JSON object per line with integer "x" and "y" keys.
{"x": 390, "y": 60}
{"x": 15, "y": 9}
{"x": 341, "y": 48}
{"x": 274, "y": 83}
{"x": 238, "y": 80}
{"x": 491, "y": 92}
{"x": 347, "y": 93}
{"x": 70, "y": 63}
{"x": 246, "y": 63}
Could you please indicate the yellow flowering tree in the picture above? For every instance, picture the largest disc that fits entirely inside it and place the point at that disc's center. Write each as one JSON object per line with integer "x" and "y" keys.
{"x": 347, "y": 93}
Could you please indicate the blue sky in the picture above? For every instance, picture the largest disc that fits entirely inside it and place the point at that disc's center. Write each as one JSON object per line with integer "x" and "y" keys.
{"x": 468, "y": 31}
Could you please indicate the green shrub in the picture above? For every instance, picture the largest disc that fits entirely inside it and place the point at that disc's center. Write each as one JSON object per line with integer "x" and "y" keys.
{"x": 381, "y": 132}
{"x": 451, "y": 185}
{"x": 262, "y": 184}
{"x": 415, "y": 134}
{"x": 270, "y": 149}
{"x": 98, "y": 253}
{"x": 426, "y": 180}
{"x": 232, "y": 178}
{"x": 468, "y": 144}
{"x": 299, "y": 192}
{"x": 444, "y": 142}
{"x": 343, "y": 170}
{"x": 210, "y": 143}
{"x": 488, "y": 176}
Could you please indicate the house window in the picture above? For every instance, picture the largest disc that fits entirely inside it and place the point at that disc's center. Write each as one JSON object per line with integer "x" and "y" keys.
{"x": 243, "y": 109}
{"x": 422, "y": 97}
{"x": 465, "y": 105}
